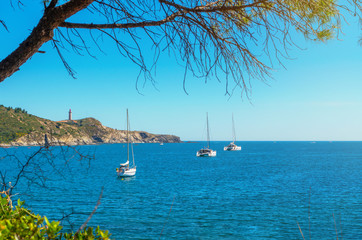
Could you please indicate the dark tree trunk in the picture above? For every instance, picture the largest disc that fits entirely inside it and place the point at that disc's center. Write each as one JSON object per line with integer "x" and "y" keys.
{"x": 42, "y": 33}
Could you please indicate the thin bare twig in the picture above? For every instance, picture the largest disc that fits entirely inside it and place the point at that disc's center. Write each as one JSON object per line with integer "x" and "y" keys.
{"x": 91, "y": 215}
{"x": 310, "y": 190}
{"x": 300, "y": 230}
{"x": 169, "y": 213}
{"x": 335, "y": 225}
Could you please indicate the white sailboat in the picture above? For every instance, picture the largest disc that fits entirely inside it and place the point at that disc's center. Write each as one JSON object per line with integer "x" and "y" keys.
{"x": 232, "y": 146}
{"x": 206, "y": 151}
{"x": 124, "y": 169}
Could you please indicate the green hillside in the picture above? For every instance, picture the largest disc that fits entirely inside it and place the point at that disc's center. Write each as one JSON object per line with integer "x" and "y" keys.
{"x": 15, "y": 123}
{"x": 17, "y": 127}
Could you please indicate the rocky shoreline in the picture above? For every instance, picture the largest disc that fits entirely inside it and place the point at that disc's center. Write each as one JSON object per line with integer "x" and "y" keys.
{"x": 117, "y": 137}
{"x": 23, "y": 129}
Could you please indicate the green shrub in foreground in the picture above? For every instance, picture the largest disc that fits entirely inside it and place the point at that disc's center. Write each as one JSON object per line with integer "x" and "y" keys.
{"x": 20, "y": 223}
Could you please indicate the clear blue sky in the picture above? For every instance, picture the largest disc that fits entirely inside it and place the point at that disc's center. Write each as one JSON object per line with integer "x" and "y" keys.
{"x": 318, "y": 96}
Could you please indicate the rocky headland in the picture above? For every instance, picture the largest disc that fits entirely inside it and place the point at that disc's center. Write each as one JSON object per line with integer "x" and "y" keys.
{"x": 18, "y": 128}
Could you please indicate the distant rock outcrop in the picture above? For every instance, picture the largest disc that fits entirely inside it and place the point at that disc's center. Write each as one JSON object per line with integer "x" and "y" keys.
{"x": 18, "y": 128}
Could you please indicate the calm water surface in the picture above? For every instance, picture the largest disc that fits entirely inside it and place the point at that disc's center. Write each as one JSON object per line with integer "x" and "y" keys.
{"x": 260, "y": 192}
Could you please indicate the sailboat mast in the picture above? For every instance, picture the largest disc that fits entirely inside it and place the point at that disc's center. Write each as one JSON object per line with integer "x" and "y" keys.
{"x": 127, "y": 137}
{"x": 208, "y": 134}
{"x": 131, "y": 143}
{"x": 234, "y": 138}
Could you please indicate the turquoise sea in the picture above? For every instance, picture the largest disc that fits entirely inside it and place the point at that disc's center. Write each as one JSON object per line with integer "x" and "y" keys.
{"x": 261, "y": 192}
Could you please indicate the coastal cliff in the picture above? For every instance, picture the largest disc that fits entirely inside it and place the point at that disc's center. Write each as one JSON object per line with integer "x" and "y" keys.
{"x": 18, "y": 128}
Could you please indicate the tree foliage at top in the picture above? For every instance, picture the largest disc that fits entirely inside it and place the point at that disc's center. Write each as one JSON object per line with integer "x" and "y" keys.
{"x": 238, "y": 40}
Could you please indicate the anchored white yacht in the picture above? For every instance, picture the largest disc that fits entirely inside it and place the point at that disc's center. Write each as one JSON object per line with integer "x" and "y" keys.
{"x": 206, "y": 151}
{"x": 124, "y": 169}
{"x": 232, "y": 146}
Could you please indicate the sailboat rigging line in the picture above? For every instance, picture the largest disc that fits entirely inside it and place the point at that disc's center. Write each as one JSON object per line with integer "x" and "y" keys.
{"x": 127, "y": 137}
{"x": 132, "y": 155}
{"x": 208, "y": 133}
{"x": 233, "y": 124}
{"x": 131, "y": 142}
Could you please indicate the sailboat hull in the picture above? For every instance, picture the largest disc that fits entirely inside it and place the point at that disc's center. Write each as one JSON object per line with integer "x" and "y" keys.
{"x": 236, "y": 148}
{"x": 126, "y": 172}
{"x": 207, "y": 154}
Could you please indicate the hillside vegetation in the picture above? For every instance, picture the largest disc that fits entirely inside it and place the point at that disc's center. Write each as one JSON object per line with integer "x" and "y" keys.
{"x": 15, "y": 123}
{"x": 17, "y": 127}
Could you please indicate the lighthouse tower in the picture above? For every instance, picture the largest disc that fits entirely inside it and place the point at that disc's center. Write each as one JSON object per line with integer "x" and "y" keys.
{"x": 70, "y": 114}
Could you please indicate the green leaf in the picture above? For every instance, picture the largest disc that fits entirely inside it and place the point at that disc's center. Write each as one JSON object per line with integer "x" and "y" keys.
{"x": 46, "y": 220}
